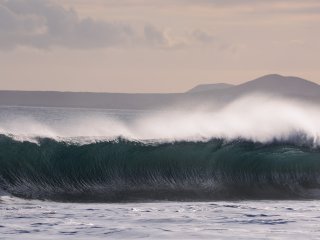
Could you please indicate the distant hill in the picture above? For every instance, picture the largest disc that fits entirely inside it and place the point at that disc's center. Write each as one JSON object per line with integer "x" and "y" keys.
{"x": 278, "y": 84}
{"x": 209, "y": 87}
{"x": 218, "y": 94}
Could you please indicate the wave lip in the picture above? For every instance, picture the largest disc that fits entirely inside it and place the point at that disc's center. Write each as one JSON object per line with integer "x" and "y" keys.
{"x": 124, "y": 170}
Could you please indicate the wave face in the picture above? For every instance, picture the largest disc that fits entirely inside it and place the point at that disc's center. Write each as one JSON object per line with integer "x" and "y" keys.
{"x": 123, "y": 170}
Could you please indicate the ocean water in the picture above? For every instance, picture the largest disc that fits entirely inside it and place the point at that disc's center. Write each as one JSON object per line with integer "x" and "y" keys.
{"x": 90, "y": 173}
{"x": 25, "y": 219}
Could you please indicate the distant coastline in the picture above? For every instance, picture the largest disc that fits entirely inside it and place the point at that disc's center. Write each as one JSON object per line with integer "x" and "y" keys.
{"x": 220, "y": 93}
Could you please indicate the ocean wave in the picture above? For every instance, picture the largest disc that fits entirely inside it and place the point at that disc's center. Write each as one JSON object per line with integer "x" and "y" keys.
{"x": 125, "y": 170}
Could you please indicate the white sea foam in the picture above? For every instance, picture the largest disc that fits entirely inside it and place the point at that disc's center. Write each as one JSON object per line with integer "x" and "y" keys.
{"x": 256, "y": 117}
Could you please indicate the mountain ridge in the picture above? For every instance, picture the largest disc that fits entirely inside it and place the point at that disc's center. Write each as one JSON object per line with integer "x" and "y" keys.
{"x": 275, "y": 84}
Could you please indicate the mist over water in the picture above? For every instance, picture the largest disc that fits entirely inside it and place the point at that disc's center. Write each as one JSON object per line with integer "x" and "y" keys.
{"x": 257, "y": 117}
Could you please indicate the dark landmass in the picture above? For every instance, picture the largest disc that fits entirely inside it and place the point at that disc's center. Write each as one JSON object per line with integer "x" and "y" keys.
{"x": 216, "y": 94}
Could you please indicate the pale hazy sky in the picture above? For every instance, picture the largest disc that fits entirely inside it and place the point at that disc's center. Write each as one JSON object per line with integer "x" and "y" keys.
{"x": 154, "y": 45}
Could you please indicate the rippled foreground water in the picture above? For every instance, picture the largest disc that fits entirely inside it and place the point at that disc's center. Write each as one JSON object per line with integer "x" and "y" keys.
{"x": 22, "y": 219}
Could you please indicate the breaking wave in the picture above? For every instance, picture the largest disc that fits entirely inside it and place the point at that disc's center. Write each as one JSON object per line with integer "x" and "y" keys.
{"x": 254, "y": 148}
{"x": 123, "y": 170}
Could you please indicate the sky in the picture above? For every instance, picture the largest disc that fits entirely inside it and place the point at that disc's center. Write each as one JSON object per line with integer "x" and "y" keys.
{"x": 154, "y": 45}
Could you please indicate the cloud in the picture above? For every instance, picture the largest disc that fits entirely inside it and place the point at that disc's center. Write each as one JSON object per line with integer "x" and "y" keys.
{"x": 154, "y": 36}
{"x": 168, "y": 39}
{"x": 164, "y": 38}
{"x": 202, "y": 36}
{"x": 44, "y": 24}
